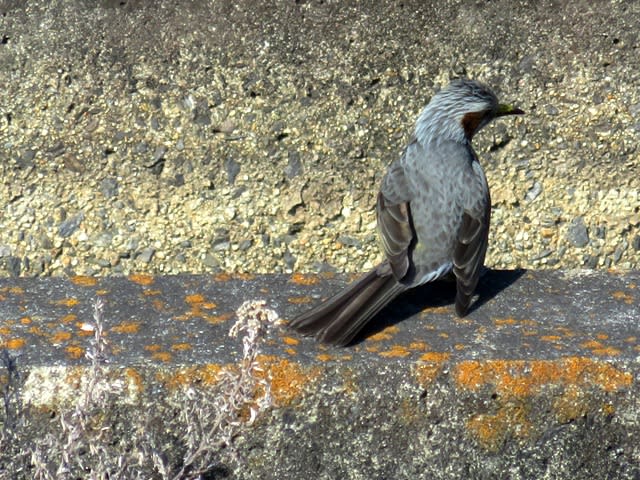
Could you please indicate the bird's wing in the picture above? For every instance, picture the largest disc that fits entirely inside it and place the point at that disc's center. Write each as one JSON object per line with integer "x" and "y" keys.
{"x": 472, "y": 241}
{"x": 393, "y": 211}
{"x": 396, "y": 234}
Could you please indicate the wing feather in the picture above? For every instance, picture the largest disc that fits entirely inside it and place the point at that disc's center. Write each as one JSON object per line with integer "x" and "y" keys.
{"x": 469, "y": 253}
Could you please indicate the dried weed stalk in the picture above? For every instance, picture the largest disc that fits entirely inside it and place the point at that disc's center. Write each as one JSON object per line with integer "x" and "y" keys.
{"x": 11, "y": 418}
{"x": 213, "y": 419}
{"x": 85, "y": 442}
{"x": 91, "y": 440}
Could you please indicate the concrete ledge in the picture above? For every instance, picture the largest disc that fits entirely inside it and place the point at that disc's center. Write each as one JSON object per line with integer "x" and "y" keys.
{"x": 540, "y": 379}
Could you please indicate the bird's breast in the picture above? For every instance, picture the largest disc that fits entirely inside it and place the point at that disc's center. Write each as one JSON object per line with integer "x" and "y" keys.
{"x": 438, "y": 182}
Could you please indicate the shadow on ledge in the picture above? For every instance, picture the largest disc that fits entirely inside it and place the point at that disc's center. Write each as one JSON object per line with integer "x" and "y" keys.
{"x": 436, "y": 295}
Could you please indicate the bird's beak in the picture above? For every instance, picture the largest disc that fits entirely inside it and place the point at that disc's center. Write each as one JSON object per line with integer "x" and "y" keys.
{"x": 506, "y": 109}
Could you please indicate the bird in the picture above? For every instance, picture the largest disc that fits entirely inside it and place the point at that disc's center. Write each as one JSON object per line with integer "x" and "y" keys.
{"x": 433, "y": 212}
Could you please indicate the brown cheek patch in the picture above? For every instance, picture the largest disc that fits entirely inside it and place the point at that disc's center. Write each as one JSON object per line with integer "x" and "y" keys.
{"x": 471, "y": 121}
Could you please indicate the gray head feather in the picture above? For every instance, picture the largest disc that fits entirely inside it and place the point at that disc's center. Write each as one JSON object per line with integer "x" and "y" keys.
{"x": 442, "y": 118}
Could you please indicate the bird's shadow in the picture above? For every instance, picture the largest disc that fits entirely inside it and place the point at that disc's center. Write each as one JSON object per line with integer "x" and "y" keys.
{"x": 437, "y": 294}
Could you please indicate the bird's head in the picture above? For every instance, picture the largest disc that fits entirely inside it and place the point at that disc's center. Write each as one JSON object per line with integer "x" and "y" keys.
{"x": 459, "y": 111}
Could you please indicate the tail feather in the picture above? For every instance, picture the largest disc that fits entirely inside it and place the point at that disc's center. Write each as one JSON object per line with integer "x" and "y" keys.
{"x": 338, "y": 319}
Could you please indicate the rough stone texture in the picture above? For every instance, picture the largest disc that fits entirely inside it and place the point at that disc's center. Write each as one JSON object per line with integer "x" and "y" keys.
{"x": 539, "y": 381}
{"x": 198, "y": 137}
{"x": 275, "y": 122}
{"x": 518, "y": 315}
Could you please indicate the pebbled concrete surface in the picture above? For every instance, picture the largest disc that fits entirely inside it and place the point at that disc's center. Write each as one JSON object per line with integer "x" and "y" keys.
{"x": 539, "y": 381}
{"x": 183, "y": 319}
{"x": 195, "y": 137}
{"x": 202, "y": 137}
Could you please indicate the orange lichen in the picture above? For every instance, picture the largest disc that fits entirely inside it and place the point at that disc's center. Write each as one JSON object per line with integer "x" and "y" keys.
{"x": 288, "y": 379}
{"x": 385, "y": 334}
{"x": 324, "y": 357}
{"x": 290, "y": 341}
{"x": 181, "y": 347}
{"x": 427, "y": 373}
{"x": 35, "y": 330}
{"x": 126, "y": 327}
{"x": 435, "y": 310}
{"x": 435, "y": 357}
{"x": 419, "y": 346}
{"x": 60, "y": 337}
{"x": 197, "y": 304}
{"x": 74, "y": 352}
{"x": 222, "y": 277}
{"x": 152, "y": 348}
{"x": 488, "y": 430}
{"x": 135, "y": 378}
{"x": 158, "y": 305}
{"x": 208, "y": 305}
{"x": 217, "y": 319}
{"x": 25, "y": 320}
{"x": 519, "y": 378}
{"x": 550, "y": 338}
{"x": 141, "y": 279}
{"x": 602, "y": 336}
{"x": 74, "y": 377}
{"x": 14, "y": 290}
{"x": 291, "y": 351}
{"x": 205, "y": 375}
{"x": 606, "y": 352}
{"x": 151, "y": 292}
{"x": 5, "y": 330}
{"x": 162, "y": 356}
{"x": 597, "y": 348}
{"x": 194, "y": 299}
{"x": 625, "y": 297}
{"x": 69, "y": 318}
{"x": 244, "y": 276}
{"x": 84, "y": 281}
{"x": 84, "y": 329}
{"x": 302, "y": 279}
{"x": 14, "y": 343}
{"x": 396, "y": 351}
{"x": 565, "y": 331}
{"x": 299, "y": 300}
{"x": 492, "y": 430}
{"x": 505, "y": 321}
{"x": 67, "y": 302}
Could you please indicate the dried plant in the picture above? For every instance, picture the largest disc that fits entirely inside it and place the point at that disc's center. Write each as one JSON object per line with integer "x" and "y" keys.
{"x": 214, "y": 419}
{"x": 12, "y": 405}
{"x": 180, "y": 440}
{"x": 84, "y": 442}
{"x": 10, "y": 415}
